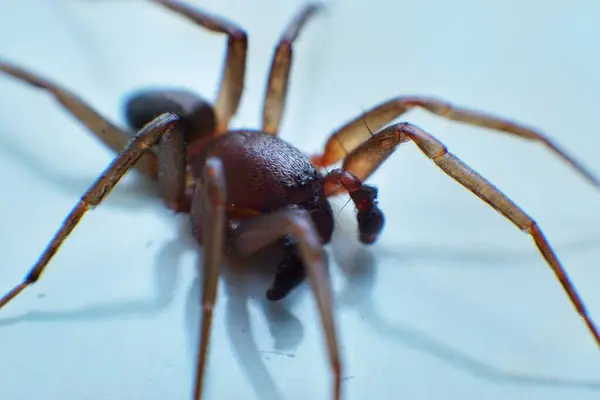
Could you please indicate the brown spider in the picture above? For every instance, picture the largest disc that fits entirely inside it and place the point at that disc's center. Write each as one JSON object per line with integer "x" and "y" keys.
{"x": 246, "y": 189}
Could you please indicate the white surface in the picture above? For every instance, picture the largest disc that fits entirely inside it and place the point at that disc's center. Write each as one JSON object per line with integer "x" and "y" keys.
{"x": 453, "y": 301}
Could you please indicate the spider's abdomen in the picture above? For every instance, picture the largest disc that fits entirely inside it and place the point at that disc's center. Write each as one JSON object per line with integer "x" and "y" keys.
{"x": 196, "y": 114}
{"x": 265, "y": 173}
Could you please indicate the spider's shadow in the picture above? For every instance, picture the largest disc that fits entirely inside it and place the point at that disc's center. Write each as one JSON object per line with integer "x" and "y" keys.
{"x": 244, "y": 283}
{"x": 359, "y": 269}
{"x": 138, "y": 193}
{"x": 285, "y": 328}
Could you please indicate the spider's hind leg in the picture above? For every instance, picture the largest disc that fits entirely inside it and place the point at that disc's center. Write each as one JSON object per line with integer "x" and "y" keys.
{"x": 108, "y": 133}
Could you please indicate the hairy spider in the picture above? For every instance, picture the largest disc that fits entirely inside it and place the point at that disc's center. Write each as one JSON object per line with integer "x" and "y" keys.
{"x": 246, "y": 189}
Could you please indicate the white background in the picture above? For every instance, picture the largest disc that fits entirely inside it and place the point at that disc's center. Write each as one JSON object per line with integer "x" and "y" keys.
{"x": 453, "y": 301}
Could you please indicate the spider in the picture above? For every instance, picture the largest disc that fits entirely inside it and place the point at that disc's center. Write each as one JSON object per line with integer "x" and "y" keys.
{"x": 246, "y": 189}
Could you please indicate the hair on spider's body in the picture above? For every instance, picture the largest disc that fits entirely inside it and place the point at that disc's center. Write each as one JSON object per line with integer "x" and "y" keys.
{"x": 246, "y": 189}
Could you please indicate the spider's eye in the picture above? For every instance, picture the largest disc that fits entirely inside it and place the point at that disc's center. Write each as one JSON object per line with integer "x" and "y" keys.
{"x": 370, "y": 224}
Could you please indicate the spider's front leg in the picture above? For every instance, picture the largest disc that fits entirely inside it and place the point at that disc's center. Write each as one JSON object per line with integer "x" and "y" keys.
{"x": 140, "y": 144}
{"x": 208, "y": 218}
{"x": 350, "y": 136}
{"x": 365, "y": 158}
{"x": 306, "y": 255}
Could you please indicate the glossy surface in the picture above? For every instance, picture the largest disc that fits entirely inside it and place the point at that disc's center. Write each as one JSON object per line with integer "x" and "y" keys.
{"x": 145, "y": 104}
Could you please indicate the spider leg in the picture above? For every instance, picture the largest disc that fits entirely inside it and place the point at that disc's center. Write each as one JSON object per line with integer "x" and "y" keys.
{"x": 383, "y": 143}
{"x": 355, "y": 132}
{"x": 142, "y": 142}
{"x": 234, "y": 70}
{"x": 208, "y": 217}
{"x": 112, "y": 136}
{"x": 172, "y": 170}
{"x": 258, "y": 232}
{"x": 277, "y": 86}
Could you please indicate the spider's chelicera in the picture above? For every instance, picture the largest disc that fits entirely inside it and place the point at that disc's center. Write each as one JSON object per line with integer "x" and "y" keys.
{"x": 246, "y": 189}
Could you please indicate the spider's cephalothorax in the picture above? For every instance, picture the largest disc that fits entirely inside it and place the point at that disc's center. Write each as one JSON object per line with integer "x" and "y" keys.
{"x": 263, "y": 174}
{"x": 248, "y": 189}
